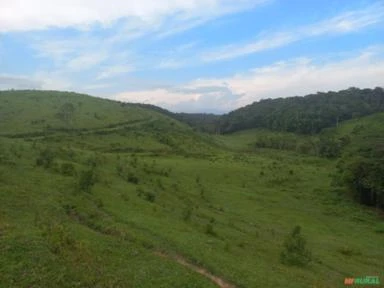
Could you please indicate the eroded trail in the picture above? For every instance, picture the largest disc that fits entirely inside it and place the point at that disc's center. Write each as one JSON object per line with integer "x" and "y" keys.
{"x": 179, "y": 259}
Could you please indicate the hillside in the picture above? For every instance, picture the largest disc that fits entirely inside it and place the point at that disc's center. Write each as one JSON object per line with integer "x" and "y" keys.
{"x": 138, "y": 199}
{"x": 304, "y": 115}
{"x": 360, "y": 146}
{"x": 129, "y": 127}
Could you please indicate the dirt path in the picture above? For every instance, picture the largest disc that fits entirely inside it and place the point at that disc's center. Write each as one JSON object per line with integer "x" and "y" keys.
{"x": 179, "y": 259}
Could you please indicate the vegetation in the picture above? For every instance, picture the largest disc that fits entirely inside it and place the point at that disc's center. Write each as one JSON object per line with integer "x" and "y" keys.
{"x": 97, "y": 196}
{"x": 295, "y": 251}
{"x": 361, "y": 165}
{"x": 303, "y": 115}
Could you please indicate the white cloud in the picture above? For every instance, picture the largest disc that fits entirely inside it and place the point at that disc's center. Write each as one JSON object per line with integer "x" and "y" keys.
{"x": 160, "y": 96}
{"x": 40, "y": 80}
{"x": 113, "y": 71}
{"x": 233, "y": 51}
{"x": 298, "y": 76}
{"x": 27, "y": 15}
{"x": 53, "y": 80}
{"x": 92, "y": 87}
{"x": 347, "y": 22}
{"x": 18, "y": 82}
{"x": 86, "y": 61}
{"x": 171, "y": 64}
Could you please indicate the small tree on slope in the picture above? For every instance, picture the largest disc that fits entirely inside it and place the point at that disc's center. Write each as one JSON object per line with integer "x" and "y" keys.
{"x": 295, "y": 251}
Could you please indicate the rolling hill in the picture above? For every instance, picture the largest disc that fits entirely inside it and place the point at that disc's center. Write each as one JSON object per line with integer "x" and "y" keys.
{"x": 96, "y": 193}
{"x": 303, "y": 115}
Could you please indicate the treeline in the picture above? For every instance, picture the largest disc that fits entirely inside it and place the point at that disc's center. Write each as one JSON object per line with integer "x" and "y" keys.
{"x": 361, "y": 165}
{"x": 319, "y": 145}
{"x": 304, "y": 115}
{"x": 200, "y": 121}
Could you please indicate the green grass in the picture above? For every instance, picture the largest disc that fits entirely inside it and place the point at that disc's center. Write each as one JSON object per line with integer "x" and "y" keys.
{"x": 240, "y": 206}
{"x": 254, "y": 139}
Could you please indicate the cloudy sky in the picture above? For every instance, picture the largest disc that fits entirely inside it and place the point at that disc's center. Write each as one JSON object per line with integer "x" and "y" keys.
{"x": 191, "y": 55}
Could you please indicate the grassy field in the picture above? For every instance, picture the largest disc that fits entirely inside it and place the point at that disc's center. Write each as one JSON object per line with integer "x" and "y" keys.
{"x": 90, "y": 202}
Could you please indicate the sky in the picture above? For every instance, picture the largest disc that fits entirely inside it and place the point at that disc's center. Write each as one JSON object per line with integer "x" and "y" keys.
{"x": 208, "y": 56}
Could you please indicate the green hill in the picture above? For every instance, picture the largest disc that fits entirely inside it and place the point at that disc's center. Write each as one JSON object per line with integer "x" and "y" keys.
{"x": 304, "y": 115}
{"x": 105, "y": 194}
{"x": 361, "y": 165}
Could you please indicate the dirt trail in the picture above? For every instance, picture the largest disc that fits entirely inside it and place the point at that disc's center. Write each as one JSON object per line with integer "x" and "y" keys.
{"x": 179, "y": 259}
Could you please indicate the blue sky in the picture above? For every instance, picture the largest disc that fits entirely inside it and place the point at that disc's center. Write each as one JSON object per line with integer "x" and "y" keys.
{"x": 192, "y": 55}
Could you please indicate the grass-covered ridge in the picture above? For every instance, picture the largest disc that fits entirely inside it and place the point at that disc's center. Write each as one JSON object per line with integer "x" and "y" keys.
{"x": 95, "y": 203}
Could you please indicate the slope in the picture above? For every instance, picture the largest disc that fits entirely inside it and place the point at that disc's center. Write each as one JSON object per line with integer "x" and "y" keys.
{"x": 95, "y": 206}
{"x": 305, "y": 115}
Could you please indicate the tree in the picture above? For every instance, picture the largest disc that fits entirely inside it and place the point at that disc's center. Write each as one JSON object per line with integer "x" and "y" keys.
{"x": 364, "y": 176}
{"x": 66, "y": 112}
{"x": 295, "y": 251}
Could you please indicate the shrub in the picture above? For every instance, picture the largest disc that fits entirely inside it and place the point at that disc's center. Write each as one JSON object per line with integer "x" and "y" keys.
{"x": 86, "y": 180}
{"x": 68, "y": 169}
{"x": 209, "y": 230}
{"x": 132, "y": 178}
{"x": 349, "y": 251}
{"x": 295, "y": 251}
{"x": 149, "y": 196}
{"x": 58, "y": 238}
{"x": 45, "y": 158}
{"x": 187, "y": 214}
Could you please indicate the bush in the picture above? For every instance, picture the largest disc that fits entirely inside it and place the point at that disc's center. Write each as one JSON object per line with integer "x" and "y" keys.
{"x": 187, "y": 214}
{"x": 209, "y": 230}
{"x": 86, "y": 180}
{"x": 131, "y": 178}
{"x": 295, "y": 251}
{"x": 58, "y": 238}
{"x": 149, "y": 196}
{"x": 45, "y": 158}
{"x": 68, "y": 169}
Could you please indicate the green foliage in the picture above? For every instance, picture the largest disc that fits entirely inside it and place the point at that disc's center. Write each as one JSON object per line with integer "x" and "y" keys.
{"x": 150, "y": 196}
{"x": 361, "y": 167}
{"x": 228, "y": 220}
{"x": 68, "y": 169}
{"x": 87, "y": 179}
{"x": 132, "y": 178}
{"x": 349, "y": 251}
{"x": 66, "y": 112}
{"x": 295, "y": 251}
{"x": 187, "y": 214}
{"x": 45, "y": 158}
{"x": 365, "y": 177}
{"x": 210, "y": 230}
{"x": 329, "y": 147}
{"x": 58, "y": 237}
{"x": 305, "y": 115}
{"x": 146, "y": 195}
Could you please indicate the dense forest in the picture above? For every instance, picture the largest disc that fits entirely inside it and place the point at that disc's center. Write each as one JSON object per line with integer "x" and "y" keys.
{"x": 305, "y": 115}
